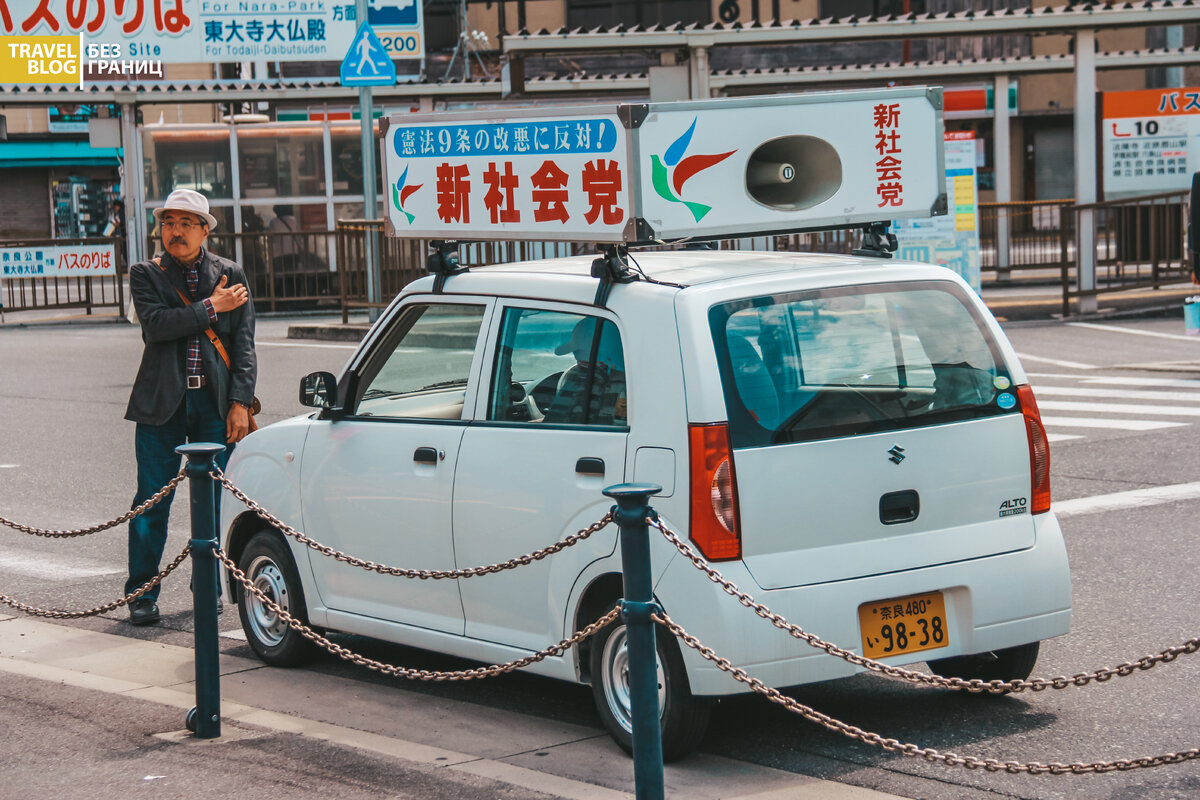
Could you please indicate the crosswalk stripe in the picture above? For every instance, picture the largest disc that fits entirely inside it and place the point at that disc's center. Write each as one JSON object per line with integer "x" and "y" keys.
{"x": 1118, "y": 408}
{"x": 1123, "y": 500}
{"x": 1177, "y": 383}
{"x": 1061, "y": 437}
{"x": 1134, "y": 331}
{"x": 1116, "y": 424}
{"x": 1116, "y": 394}
{"x": 1056, "y": 362}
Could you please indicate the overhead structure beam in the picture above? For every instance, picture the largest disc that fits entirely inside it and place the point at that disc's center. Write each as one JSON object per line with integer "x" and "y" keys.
{"x": 1062, "y": 20}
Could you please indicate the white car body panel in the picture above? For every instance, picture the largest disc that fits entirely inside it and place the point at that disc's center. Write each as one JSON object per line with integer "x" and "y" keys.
{"x": 814, "y": 548}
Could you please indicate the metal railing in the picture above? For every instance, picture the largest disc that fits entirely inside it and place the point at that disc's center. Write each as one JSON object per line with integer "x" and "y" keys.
{"x": 1035, "y": 236}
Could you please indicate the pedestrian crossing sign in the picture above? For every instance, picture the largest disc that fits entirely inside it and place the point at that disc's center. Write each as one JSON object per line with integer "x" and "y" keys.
{"x": 367, "y": 63}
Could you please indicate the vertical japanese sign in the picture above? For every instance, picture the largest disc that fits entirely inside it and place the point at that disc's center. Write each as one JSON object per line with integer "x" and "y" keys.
{"x": 952, "y": 240}
{"x": 552, "y": 178}
{"x": 1151, "y": 140}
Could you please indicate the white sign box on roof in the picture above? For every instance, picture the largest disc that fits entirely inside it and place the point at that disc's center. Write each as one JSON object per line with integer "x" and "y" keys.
{"x": 658, "y": 171}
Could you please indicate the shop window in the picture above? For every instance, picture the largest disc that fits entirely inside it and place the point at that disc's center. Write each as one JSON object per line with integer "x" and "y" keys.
{"x": 346, "y": 146}
{"x": 196, "y": 159}
{"x": 281, "y": 162}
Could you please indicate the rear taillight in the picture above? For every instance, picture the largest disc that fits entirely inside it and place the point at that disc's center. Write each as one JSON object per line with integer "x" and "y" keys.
{"x": 715, "y": 527}
{"x": 1039, "y": 452}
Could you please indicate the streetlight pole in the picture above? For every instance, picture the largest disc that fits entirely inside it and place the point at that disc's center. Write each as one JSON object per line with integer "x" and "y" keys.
{"x": 370, "y": 203}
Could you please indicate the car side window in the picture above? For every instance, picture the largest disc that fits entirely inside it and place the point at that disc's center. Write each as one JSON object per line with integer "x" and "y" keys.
{"x": 422, "y": 369}
{"x": 558, "y": 368}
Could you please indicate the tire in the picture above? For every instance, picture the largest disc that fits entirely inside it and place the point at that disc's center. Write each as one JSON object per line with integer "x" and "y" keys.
{"x": 268, "y": 564}
{"x": 684, "y": 718}
{"x": 1009, "y": 664}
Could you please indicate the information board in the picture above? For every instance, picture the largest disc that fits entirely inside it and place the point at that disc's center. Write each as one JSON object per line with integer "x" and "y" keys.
{"x": 1151, "y": 141}
{"x": 118, "y": 37}
{"x": 667, "y": 171}
{"x": 952, "y": 240}
{"x": 67, "y": 261}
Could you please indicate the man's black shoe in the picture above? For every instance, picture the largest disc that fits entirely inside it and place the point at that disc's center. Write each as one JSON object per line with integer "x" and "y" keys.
{"x": 143, "y": 611}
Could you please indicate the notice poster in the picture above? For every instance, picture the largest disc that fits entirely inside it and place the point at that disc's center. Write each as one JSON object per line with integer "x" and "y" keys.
{"x": 1151, "y": 140}
{"x": 952, "y": 240}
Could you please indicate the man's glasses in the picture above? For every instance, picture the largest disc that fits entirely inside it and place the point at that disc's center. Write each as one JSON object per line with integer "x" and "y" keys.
{"x": 186, "y": 226}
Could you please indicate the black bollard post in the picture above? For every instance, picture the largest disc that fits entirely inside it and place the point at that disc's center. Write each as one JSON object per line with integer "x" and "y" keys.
{"x": 205, "y": 719}
{"x": 632, "y": 509}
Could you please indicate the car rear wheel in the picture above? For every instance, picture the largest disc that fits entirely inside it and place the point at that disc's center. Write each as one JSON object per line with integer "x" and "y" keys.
{"x": 683, "y": 717}
{"x": 268, "y": 564}
{"x": 1009, "y": 664}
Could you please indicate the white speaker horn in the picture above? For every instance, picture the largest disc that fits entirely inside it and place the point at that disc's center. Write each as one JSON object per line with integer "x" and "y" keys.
{"x": 793, "y": 172}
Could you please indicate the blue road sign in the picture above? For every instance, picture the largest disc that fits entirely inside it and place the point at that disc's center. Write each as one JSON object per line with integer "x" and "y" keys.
{"x": 367, "y": 63}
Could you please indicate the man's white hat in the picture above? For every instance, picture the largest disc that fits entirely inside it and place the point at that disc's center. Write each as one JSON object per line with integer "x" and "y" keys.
{"x": 189, "y": 201}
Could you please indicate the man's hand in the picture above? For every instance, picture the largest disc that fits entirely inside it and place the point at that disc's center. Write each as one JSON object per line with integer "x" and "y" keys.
{"x": 237, "y": 423}
{"x": 227, "y": 299}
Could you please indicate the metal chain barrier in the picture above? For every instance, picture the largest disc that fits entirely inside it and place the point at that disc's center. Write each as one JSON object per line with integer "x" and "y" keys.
{"x": 142, "y": 509}
{"x": 406, "y": 672}
{"x": 908, "y": 749}
{"x": 973, "y": 685}
{"x": 423, "y": 574}
{"x": 52, "y": 613}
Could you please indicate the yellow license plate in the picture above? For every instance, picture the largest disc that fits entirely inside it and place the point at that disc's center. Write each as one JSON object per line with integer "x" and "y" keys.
{"x": 903, "y": 625}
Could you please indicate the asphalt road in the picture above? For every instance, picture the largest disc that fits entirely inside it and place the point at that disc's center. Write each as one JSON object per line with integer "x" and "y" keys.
{"x": 66, "y": 460}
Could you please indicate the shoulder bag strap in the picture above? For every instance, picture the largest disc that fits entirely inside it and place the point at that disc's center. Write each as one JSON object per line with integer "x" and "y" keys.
{"x": 212, "y": 336}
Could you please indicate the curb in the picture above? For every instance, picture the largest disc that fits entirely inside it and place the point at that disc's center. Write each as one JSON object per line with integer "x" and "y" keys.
{"x": 558, "y": 759}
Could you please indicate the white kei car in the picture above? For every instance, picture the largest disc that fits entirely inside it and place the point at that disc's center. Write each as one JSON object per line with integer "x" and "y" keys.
{"x": 850, "y": 440}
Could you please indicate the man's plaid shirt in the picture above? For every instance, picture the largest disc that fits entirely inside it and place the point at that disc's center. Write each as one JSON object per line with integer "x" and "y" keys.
{"x": 603, "y": 405}
{"x": 195, "y": 366}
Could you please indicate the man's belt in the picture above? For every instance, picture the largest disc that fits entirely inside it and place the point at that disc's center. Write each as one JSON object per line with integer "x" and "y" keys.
{"x": 195, "y": 381}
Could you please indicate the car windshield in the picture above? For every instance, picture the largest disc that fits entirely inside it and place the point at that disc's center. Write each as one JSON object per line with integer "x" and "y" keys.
{"x": 854, "y": 360}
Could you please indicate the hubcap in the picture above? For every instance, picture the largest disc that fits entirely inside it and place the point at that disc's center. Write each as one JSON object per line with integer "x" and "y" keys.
{"x": 615, "y": 680}
{"x": 268, "y": 627}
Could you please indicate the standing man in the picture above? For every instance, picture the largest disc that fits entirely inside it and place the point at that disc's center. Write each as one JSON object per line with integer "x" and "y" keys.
{"x": 183, "y": 391}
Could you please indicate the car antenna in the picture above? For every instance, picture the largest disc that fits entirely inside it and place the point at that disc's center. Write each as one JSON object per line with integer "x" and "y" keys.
{"x": 611, "y": 268}
{"x": 877, "y": 242}
{"x": 443, "y": 262}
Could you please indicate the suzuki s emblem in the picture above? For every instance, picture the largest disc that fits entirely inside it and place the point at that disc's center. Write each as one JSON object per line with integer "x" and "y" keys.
{"x": 896, "y": 453}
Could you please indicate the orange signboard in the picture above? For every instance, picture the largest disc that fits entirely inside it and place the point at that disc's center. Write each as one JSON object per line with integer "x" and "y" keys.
{"x": 1151, "y": 103}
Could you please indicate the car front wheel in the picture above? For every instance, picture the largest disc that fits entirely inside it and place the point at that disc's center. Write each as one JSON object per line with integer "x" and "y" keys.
{"x": 683, "y": 717}
{"x": 268, "y": 565}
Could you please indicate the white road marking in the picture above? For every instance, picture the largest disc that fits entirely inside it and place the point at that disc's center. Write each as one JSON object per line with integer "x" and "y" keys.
{"x": 1115, "y": 424}
{"x": 1061, "y": 437}
{"x": 1117, "y": 408}
{"x": 1176, "y": 383}
{"x": 9, "y": 466}
{"x": 1134, "y": 331}
{"x": 1117, "y": 394}
{"x": 39, "y": 566}
{"x": 1119, "y": 501}
{"x": 236, "y": 633}
{"x": 1056, "y": 362}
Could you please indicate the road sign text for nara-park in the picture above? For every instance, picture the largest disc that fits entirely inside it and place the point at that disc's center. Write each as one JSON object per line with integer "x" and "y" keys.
{"x": 188, "y": 31}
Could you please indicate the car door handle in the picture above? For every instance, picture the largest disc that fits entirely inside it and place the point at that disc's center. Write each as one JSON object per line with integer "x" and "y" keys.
{"x": 590, "y": 466}
{"x": 425, "y": 455}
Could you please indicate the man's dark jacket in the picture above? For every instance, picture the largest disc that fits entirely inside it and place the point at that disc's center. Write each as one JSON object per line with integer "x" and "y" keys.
{"x": 167, "y": 322}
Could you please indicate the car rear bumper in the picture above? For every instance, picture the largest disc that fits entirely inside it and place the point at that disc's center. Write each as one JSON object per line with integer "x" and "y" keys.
{"x": 991, "y": 602}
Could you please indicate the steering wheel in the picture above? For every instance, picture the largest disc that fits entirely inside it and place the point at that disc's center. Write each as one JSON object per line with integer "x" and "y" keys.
{"x": 539, "y": 399}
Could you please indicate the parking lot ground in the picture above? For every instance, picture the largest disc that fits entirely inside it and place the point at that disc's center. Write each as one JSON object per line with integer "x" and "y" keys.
{"x": 117, "y": 705}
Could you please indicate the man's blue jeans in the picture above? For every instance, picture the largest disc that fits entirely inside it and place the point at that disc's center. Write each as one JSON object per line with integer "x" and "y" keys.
{"x": 196, "y": 420}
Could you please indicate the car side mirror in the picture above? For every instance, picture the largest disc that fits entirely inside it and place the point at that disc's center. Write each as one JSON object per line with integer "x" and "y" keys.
{"x": 318, "y": 390}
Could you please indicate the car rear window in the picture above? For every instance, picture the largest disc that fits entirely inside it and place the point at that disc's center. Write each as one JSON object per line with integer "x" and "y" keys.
{"x": 854, "y": 360}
